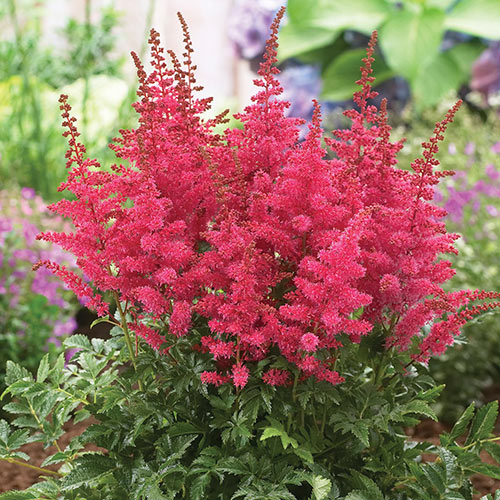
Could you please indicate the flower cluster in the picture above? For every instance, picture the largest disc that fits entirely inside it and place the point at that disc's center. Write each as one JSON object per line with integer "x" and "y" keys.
{"x": 283, "y": 252}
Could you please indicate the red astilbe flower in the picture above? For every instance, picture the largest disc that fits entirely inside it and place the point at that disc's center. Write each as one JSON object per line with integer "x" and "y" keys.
{"x": 138, "y": 228}
{"x": 281, "y": 252}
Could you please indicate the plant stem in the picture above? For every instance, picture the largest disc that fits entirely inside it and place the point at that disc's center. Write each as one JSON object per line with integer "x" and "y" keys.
{"x": 33, "y": 467}
{"x": 480, "y": 442}
{"x": 126, "y": 332}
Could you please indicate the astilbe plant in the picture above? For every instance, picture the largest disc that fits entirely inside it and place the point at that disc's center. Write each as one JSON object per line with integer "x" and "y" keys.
{"x": 283, "y": 304}
{"x": 280, "y": 249}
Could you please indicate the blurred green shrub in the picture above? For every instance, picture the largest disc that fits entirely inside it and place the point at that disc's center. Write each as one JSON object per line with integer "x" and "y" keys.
{"x": 411, "y": 34}
{"x": 32, "y": 77}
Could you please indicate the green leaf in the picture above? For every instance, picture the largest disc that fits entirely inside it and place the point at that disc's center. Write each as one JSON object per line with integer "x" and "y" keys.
{"x": 476, "y": 17}
{"x": 450, "y": 464}
{"x": 56, "y": 458}
{"x": 340, "y": 76}
{"x": 16, "y": 373}
{"x": 104, "y": 319}
{"x": 420, "y": 408}
{"x": 18, "y": 495}
{"x": 81, "y": 415}
{"x": 361, "y": 431}
{"x": 436, "y": 79}
{"x": 88, "y": 468}
{"x": 492, "y": 471}
{"x": 436, "y": 476}
{"x": 297, "y": 40}
{"x": 462, "y": 422}
{"x": 321, "y": 487}
{"x": 282, "y": 434}
{"x": 199, "y": 486}
{"x": 301, "y": 11}
{"x": 43, "y": 369}
{"x": 304, "y": 454}
{"x": 78, "y": 341}
{"x": 358, "y": 495}
{"x": 483, "y": 422}
{"x": 367, "y": 484}
{"x": 361, "y": 15}
{"x": 453, "y": 495}
{"x": 410, "y": 40}
{"x": 18, "y": 438}
{"x": 464, "y": 54}
{"x": 183, "y": 428}
{"x": 493, "y": 449}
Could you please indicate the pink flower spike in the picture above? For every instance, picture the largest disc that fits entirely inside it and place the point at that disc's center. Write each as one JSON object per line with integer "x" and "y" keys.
{"x": 240, "y": 375}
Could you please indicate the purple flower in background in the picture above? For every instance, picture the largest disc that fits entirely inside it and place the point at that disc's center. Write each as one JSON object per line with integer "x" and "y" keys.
{"x": 492, "y": 210}
{"x": 27, "y": 193}
{"x": 5, "y": 225}
{"x": 496, "y": 148}
{"x": 486, "y": 71}
{"x": 456, "y": 203}
{"x": 249, "y": 23}
{"x": 29, "y": 232}
{"x": 452, "y": 148}
{"x": 23, "y": 216}
{"x": 470, "y": 148}
{"x": 492, "y": 172}
{"x": 65, "y": 327}
{"x": 25, "y": 254}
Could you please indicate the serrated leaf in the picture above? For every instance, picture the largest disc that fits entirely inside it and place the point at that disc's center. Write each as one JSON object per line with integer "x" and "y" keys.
{"x": 361, "y": 431}
{"x": 182, "y": 429}
{"x": 199, "y": 486}
{"x": 81, "y": 415}
{"x": 494, "y": 450}
{"x": 420, "y": 408}
{"x": 15, "y": 372}
{"x": 436, "y": 476}
{"x": 462, "y": 422}
{"x": 489, "y": 470}
{"x": 483, "y": 422}
{"x": 270, "y": 432}
{"x": 77, "y": 341}
{"x": 357, "y": 495}
{"x": 233, "y": 465}
{"x": 304, "y": 454}
{"x": 321, "y": 487}
{"x": 367, "y": 484}
{"x": 450, "y": 464}
{"x": 43, "y": 369}
{"x": 453, "y": 495}
{"x": 88, "y": 468}
{"x": 55, "y": 459}
{"x": 18, "y": 438}
{"x": 17, "y": 407}
{"x": 18, "y": 495}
